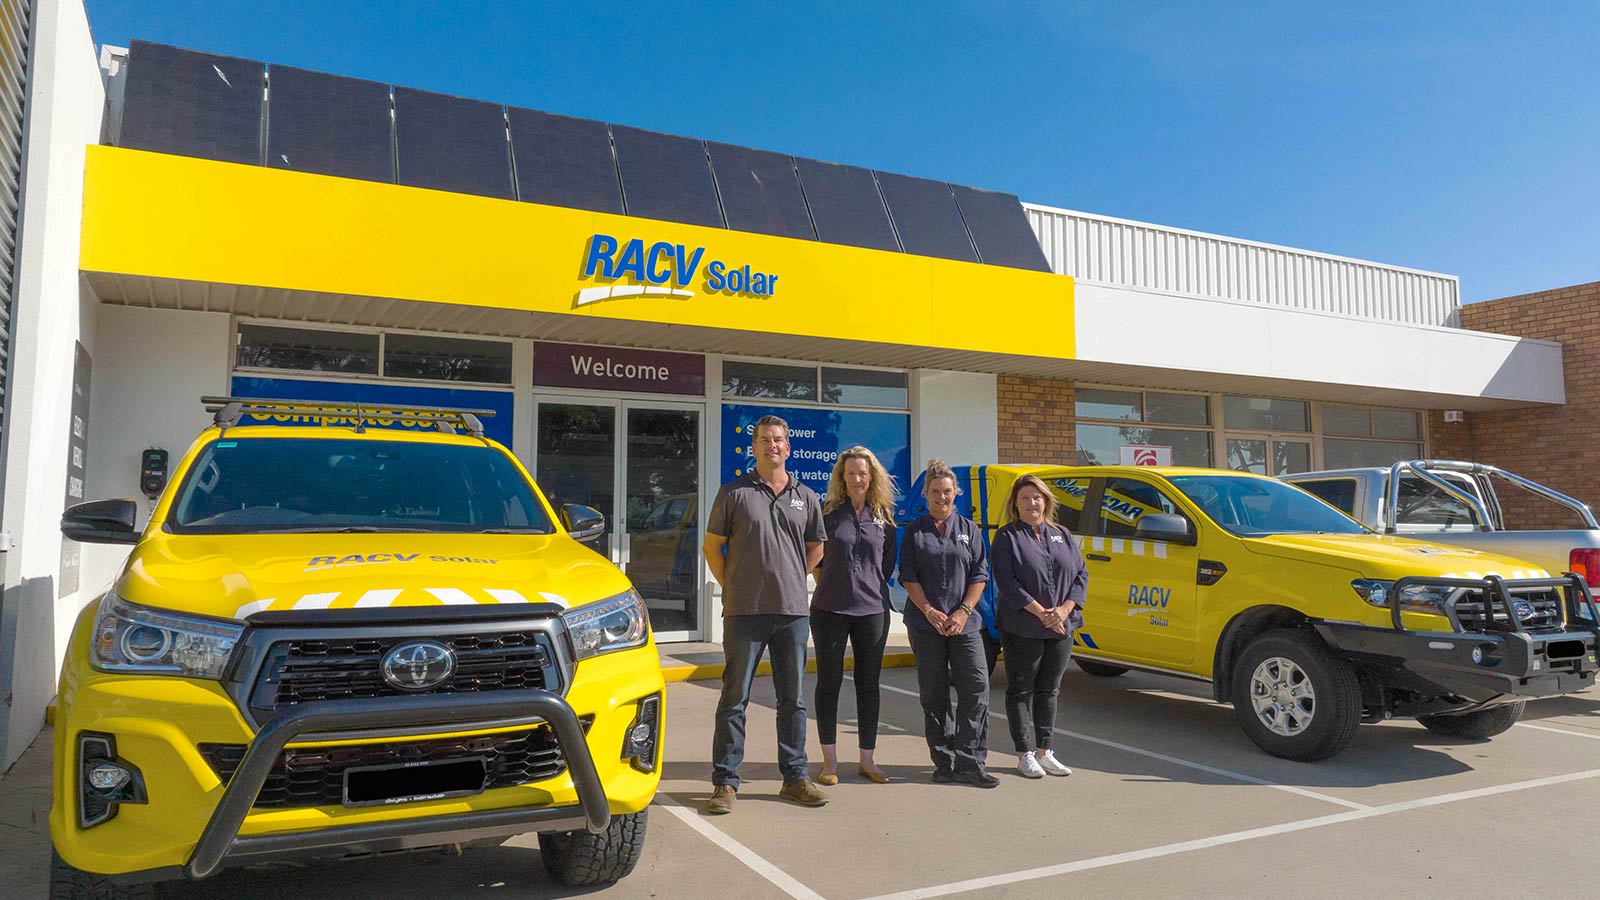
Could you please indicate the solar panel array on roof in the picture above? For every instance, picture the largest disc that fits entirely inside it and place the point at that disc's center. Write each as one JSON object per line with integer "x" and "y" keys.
{"x": 666, "y": 177}
{"x": 562, "y": 161}
{"x": 193, "y": 104}
{"x": 330, "y": 125}
{"x": 452, "y": 144}
{"x": 198, "y": 104}
{"x": 845, "y": 205}
{"x": 1000, "y": 229}
{"x": 760, "y": 191}
{"x": 926, "y": 217}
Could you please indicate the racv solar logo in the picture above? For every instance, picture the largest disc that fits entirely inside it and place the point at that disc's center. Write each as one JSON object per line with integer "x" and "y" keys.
{"x": 635, "y": 268}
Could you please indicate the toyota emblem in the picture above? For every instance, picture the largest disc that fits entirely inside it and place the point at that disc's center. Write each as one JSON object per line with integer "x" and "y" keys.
{"x": 418, "y": 665}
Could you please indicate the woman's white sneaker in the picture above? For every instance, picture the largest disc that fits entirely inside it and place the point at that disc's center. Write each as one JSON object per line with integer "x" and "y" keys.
{"x": 1049, "y": 763}
{"x": 1028, "y": 766}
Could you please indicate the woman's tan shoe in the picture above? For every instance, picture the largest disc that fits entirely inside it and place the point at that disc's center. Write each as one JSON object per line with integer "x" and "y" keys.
{"x": 827, "y": 779}
{"x": 874, "y": 777}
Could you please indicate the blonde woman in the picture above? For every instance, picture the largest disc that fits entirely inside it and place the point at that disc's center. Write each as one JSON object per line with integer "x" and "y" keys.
{"x": 1040, "y": 580}
{"x": 943, "y": 567}
{"x": 851, "y": 602}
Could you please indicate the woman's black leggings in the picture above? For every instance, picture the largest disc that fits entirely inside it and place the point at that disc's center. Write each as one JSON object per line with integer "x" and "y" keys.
{"x": 867, "y": 636}
{"x": 1034, "y": 667}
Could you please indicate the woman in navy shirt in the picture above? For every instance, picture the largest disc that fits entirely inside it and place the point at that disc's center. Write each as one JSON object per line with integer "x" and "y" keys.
{"x": 1040, "y": 579}
{"x": 943, "y": 567}
{"x": 851, "y": 602}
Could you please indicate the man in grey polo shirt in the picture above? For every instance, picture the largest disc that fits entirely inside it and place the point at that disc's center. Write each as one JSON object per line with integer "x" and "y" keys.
{"x": 770, "y": 526}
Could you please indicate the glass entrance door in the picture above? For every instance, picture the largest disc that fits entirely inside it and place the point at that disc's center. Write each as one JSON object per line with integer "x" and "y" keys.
{"x": 638, "y": 462}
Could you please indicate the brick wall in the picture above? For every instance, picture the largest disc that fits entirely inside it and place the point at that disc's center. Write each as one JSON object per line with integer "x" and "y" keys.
{"x": 1555, "y": 446}
{"x": 1036, "y": 420}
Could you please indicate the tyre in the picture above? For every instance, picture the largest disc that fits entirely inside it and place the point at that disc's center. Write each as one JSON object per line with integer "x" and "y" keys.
{"x": 1294, "y": 697}
{"x": 68, "y": 883}
{"x": 579, "y": 859}
{"x": 1485, "y": 723}
{"x": 1099, "y": 669}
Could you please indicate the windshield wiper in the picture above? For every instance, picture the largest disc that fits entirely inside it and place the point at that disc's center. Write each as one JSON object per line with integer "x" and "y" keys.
{"x": 350, "y": 529}
{"x": 509, "y": 531}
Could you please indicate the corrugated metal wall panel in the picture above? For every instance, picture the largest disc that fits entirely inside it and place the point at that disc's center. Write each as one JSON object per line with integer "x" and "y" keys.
{"x": 1151, "y": 257}
{"x": 15, "y": 18}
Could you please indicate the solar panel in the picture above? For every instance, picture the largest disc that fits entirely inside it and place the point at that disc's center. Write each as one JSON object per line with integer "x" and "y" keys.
{"x": 562, "y": 161}
{"x": 665, "y": 176}
{"x": 845, "y": 205}
{"x": 926, "y": 217}
{"x": 451, "y": 144}
{"x": 760, "y": 191}
{"x": 329, "y": 124}
{"x": 1000, "y": 229}
{"x": 192, "y": 104}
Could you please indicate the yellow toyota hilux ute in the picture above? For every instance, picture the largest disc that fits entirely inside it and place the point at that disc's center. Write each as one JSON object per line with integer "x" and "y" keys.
{"x": 341, "y": 639}
{"x": 1304, "y": 619}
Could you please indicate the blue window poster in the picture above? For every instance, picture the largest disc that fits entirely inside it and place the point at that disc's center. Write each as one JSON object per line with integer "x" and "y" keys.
{"x": 383, "y": 396}
{"x": 816, "y": 437}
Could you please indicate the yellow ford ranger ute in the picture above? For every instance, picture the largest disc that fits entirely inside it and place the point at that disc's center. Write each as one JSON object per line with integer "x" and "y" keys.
{"x": 341, "y": 639}
{"x": 1304, "y": 619}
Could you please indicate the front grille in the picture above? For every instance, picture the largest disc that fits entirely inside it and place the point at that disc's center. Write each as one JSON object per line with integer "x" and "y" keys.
{"x": 306, "y": 670}
{"x": 315, "y": 776}
{"x": 1537, "y": 610}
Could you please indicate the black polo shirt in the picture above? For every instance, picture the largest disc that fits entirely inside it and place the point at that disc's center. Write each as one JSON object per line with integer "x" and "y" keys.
{"x": 857, "y": 562}
{"x": 944, "y": 565}
{"x": 767, "y": 535}
{"x": 1045, "y": 566}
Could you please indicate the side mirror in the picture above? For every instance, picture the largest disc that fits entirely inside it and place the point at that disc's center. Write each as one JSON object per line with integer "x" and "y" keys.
{"x": 582, "y": 522}
{"x": 101, "y": 522}
{"x": 1164, "y": 527}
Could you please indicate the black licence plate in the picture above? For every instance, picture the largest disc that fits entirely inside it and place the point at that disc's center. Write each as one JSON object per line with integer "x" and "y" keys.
{"x": 411, "y": 782}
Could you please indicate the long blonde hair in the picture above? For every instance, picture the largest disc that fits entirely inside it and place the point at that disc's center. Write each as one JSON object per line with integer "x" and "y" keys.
{"x": 1009, "y": 512}
{"x": 880, "y": 490}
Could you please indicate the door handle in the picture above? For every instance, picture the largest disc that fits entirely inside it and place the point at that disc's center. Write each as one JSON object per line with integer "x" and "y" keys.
{"x": 1097, "y": 557}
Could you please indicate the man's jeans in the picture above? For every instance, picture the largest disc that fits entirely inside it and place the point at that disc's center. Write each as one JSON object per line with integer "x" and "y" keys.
{"x": 744, "y": 639}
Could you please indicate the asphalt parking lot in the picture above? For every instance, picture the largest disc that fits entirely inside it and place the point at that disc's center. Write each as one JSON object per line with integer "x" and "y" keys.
{"x": 1168, "y": 800}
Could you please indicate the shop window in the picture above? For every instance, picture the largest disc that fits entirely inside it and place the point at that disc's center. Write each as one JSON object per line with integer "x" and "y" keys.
{"x": 1342, "y": 453}
{"x": 748, "y": 379}
{"x": 1098, "y": 403}
{"x": 446, "y": 359}
{"x": 865, "y": 387}
{"x": 1265, "y": 414}
{"x": 1393, "y": 424}
{"x": 1396, "y": 423}
{"x": 1342, "y": 420}
{"x": 306, "y": 349}
{"x": 1177, "y": 409}
{"x": 1101, "y": 445}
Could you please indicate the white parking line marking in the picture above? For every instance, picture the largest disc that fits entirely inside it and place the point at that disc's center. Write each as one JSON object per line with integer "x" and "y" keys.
{"x": 1188, "y": 764}
{"x": 780, "y": 879}
{"x": 1592, "y": 737}
{"x": 973, "y": 884}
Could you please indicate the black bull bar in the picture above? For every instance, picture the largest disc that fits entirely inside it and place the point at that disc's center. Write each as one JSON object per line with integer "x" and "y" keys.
{"x": 221, "y": 843}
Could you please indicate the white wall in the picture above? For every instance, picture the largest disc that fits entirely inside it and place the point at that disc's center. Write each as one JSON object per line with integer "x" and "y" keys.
{"x": 66, "y": 99}
{"x": 149, "y": 375}
{"x": 956, "y": 418}
{"x": 1134, "y": 327}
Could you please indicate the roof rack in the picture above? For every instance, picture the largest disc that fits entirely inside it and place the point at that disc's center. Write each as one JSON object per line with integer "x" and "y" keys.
{"x": 227, "y": 411}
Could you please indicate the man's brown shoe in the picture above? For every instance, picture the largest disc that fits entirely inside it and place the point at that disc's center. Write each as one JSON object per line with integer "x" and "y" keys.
{"x": 721, "y": 802}
{"x": 804, "y": 793}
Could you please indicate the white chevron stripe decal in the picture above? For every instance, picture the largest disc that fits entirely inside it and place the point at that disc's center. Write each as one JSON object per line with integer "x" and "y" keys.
{"x": 315, "y": 601}
{"x": 251, "y": 608}
{"x": 452, "y": 596}
{"x": 505, "y": 595}
{"x": 555, "y": 598}
{"x": 377, "y": 598}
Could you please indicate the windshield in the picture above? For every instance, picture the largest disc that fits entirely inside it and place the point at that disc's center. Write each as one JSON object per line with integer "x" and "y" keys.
{"x": 255, "y": 485}
{"x": 1252, "y": 507}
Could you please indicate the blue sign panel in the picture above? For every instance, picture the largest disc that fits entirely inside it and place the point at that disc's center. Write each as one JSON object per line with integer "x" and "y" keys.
{"x": 816, "y": 437}
{"x": 382, "y": 396}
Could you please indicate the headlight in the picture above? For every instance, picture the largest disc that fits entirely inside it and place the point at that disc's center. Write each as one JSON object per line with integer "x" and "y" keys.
{"x": 615, "y": 623}
{"x": 1420, "y": 598}
{"x": 132, "y": 638}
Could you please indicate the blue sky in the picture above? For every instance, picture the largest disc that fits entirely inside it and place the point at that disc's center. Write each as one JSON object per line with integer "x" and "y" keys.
{"x": 1455, "y": 137}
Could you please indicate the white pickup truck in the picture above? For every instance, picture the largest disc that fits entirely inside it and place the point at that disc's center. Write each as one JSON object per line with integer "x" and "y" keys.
{"x": 1461, "y": 503}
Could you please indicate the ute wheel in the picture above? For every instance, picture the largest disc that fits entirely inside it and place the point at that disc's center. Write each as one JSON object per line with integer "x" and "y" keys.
{"x": 1484, "y": 723}
{"x": 69, "y": 883}
{"x": 1099, "y": 669}
{"x": 579, "y": 859}
{"x": 1294, "y": 697}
